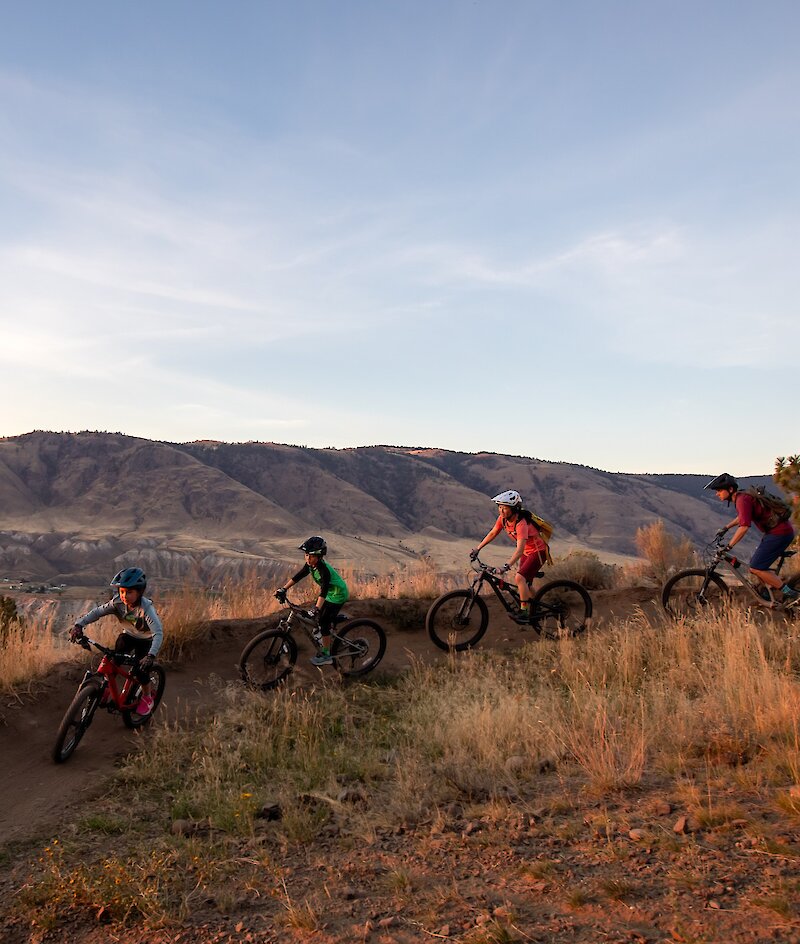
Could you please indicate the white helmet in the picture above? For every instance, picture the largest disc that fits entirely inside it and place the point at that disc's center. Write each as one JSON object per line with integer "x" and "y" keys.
{"x": 511, "y": 498}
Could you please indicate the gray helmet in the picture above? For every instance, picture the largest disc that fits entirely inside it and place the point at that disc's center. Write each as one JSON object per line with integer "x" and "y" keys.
{"x": 132, "y": 578}
{"x": 723, "y": 481}
{"x": 315, "y": 545}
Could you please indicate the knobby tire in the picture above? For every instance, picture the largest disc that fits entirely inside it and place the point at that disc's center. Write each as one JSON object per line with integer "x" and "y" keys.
{"x": 457, "y": 620}
{"x": 561, "y": 609}
{"x": 268, "y": 659}
{"x": 680, "y": 596}
{"x": 358, "y": 647}
{"x": 76, "y": 720}
{"x": 158, "y": 681}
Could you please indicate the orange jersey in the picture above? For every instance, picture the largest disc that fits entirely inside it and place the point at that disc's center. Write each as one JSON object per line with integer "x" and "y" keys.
{"x": 534, "y": 544}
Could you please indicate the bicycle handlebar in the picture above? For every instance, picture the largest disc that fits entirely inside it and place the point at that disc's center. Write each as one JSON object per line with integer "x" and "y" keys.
{"x": 121, "y": 658}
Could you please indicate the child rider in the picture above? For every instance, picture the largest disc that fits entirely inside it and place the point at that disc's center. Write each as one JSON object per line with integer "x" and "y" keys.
{"x": 332, "y": 592}
{"x": 141, "y": 632}
{"x": 530, "y": 551}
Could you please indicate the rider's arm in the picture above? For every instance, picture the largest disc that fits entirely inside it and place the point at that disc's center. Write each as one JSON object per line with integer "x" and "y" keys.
{"x": 304, "y": 571}
{"x": 744, "y": 518}
{"x": 154, "y": 625}
{"x": 105, "y": 609}
{"x": 324, "y": 583}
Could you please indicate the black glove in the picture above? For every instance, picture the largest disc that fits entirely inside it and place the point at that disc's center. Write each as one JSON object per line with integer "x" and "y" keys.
{"x": 146, "y": 662}
{"x": 505, "y": 568}
{"x": 75, "y": 633}
{"x": 313, "y": 612}
{"x": 721, "y": 532}
{"x": 473, "y": 554}
{"x": 280, "y": 595}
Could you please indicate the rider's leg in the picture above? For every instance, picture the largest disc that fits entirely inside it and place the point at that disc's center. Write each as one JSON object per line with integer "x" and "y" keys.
{"x": 767, "y": 552}
{"x": 529, "y": 567}
{"x": 126, "y": 644}
{"x": 326, "y": 616}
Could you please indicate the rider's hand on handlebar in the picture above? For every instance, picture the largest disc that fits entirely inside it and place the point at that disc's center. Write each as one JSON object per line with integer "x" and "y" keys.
{"x": 473, "y": 554}
{"x": 505, "y": 568}
{"x": 76, "y": 633}
{"x": 280, "y": 595}
{"x": 313, "y": 612}
{"x": 722, "y": 532}
{"x": 146, "y": 662}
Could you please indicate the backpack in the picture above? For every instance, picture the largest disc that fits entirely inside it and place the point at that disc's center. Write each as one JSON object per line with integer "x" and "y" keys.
{"x": 544, "y": 528}
{"x": 773, "y": 510}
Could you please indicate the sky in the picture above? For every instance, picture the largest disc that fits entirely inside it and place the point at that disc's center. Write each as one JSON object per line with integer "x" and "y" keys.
{"x": 565, "y": 230}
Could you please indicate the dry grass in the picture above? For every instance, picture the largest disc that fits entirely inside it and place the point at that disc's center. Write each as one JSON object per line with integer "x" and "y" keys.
{"x": 605, "y": 711}
{"x": 663, "y": 554}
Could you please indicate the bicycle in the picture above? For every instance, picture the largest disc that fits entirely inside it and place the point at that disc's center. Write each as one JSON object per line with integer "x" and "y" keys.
{"x": 357, "y": 646}
{"x": 690, "y": 591}
{"x": 459, "y": 619}
{"x": 111, "y": 687}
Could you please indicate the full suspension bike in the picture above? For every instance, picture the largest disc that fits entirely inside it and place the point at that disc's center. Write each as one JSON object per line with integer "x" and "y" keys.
{"x": 357, "y": 646}
{"x": 698, "y": 589}
{"x": 459, "y": 619}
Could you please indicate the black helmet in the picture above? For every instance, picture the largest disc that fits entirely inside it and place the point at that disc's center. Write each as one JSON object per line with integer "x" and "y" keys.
{"x": 315, "y": 545}
{"x": 132, "y": 578}
{"x": 723, "y": 481}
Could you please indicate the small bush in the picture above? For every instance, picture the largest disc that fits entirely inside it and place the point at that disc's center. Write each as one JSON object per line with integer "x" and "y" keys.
{"x": 663, "y": 553}
{"x": 585, "y": 568}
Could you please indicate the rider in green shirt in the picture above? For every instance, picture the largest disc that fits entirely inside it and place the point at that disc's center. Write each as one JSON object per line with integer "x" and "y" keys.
{"x": 332, "y": 592}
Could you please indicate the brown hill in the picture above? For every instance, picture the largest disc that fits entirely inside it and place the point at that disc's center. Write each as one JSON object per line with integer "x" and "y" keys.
{"x": 74, "y": 506}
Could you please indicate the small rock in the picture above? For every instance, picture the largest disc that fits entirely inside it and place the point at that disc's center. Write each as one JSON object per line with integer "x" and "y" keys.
{"x": 270, "y": 811}
{"x": 636, "y": 835}
{"x": 713, "y": 903}
{"x": 662, "y": 808}
{"x": 183, "y": 827}
{"x": 388, "y": 922}
{"x": 681, "y": 825}
{"x": 444, "y": 931}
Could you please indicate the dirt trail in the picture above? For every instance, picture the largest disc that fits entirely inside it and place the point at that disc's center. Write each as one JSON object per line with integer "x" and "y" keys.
{"x": 37, "y": 791}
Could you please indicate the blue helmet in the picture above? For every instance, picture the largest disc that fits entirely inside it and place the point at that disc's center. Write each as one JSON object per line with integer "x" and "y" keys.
{"x": 132, "y": 578}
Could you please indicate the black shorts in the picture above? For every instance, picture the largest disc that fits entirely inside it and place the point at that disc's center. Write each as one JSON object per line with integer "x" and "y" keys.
{"x": 130, "y": 645}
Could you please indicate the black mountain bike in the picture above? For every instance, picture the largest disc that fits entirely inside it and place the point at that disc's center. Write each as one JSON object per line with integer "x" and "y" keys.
{"x": 458, "y": 620}
{"x": 694, "y": 590}
{"x": 357, "y": 646}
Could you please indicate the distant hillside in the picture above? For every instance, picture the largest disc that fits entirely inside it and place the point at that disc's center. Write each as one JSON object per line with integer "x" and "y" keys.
{"x": 74, "y": 507}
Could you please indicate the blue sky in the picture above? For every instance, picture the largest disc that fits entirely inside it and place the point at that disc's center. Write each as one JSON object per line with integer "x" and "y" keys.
{"x": 566, "y": 230}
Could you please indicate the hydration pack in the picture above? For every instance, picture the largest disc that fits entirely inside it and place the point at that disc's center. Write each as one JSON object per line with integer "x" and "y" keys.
{"x": 772, "y": 510}
{"x": 544, "y": 528}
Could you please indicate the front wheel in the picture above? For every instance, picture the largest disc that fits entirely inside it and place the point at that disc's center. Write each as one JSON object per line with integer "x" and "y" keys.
{"x": 691, "y": 592}
{"x": 457, "y": 620}
{"x": 268, "y": 659}
{"x": 562, "y": 608}
{"x": 157, "y": 682}
{"x": 358, "y": 647}
{"x": 77, "y": 719}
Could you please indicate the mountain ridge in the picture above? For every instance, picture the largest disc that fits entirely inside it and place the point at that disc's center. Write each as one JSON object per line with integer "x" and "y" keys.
{"x": 76, "y": 505}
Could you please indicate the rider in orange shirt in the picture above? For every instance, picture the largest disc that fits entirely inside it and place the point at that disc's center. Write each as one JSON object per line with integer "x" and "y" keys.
{"x": 530, "y": 552}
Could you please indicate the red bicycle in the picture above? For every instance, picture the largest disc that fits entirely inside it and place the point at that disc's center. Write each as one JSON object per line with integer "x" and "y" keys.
{"x": 109, "y": 686}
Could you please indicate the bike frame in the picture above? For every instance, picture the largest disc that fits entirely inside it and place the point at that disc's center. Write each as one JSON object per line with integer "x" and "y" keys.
{"x": 732, "y": 566}
{"x": 298, "y": 616}
{"x": 498, "y": 583}
{"x": 120, "y": 687}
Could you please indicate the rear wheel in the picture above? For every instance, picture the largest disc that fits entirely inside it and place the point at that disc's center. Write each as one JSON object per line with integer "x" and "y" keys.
{"x": 157, "y": 681}
{"x": 76, "y": 721}
{"x": 358, "y": 647}
{"x": 562, "y": 608}
{"x": 457, "y": 620}
{"x": 683, "y": 596}
{"x": 268, "y": 659}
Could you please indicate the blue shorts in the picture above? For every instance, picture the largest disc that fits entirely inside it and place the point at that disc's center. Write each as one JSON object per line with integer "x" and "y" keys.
{"x": 769, "y": 550}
